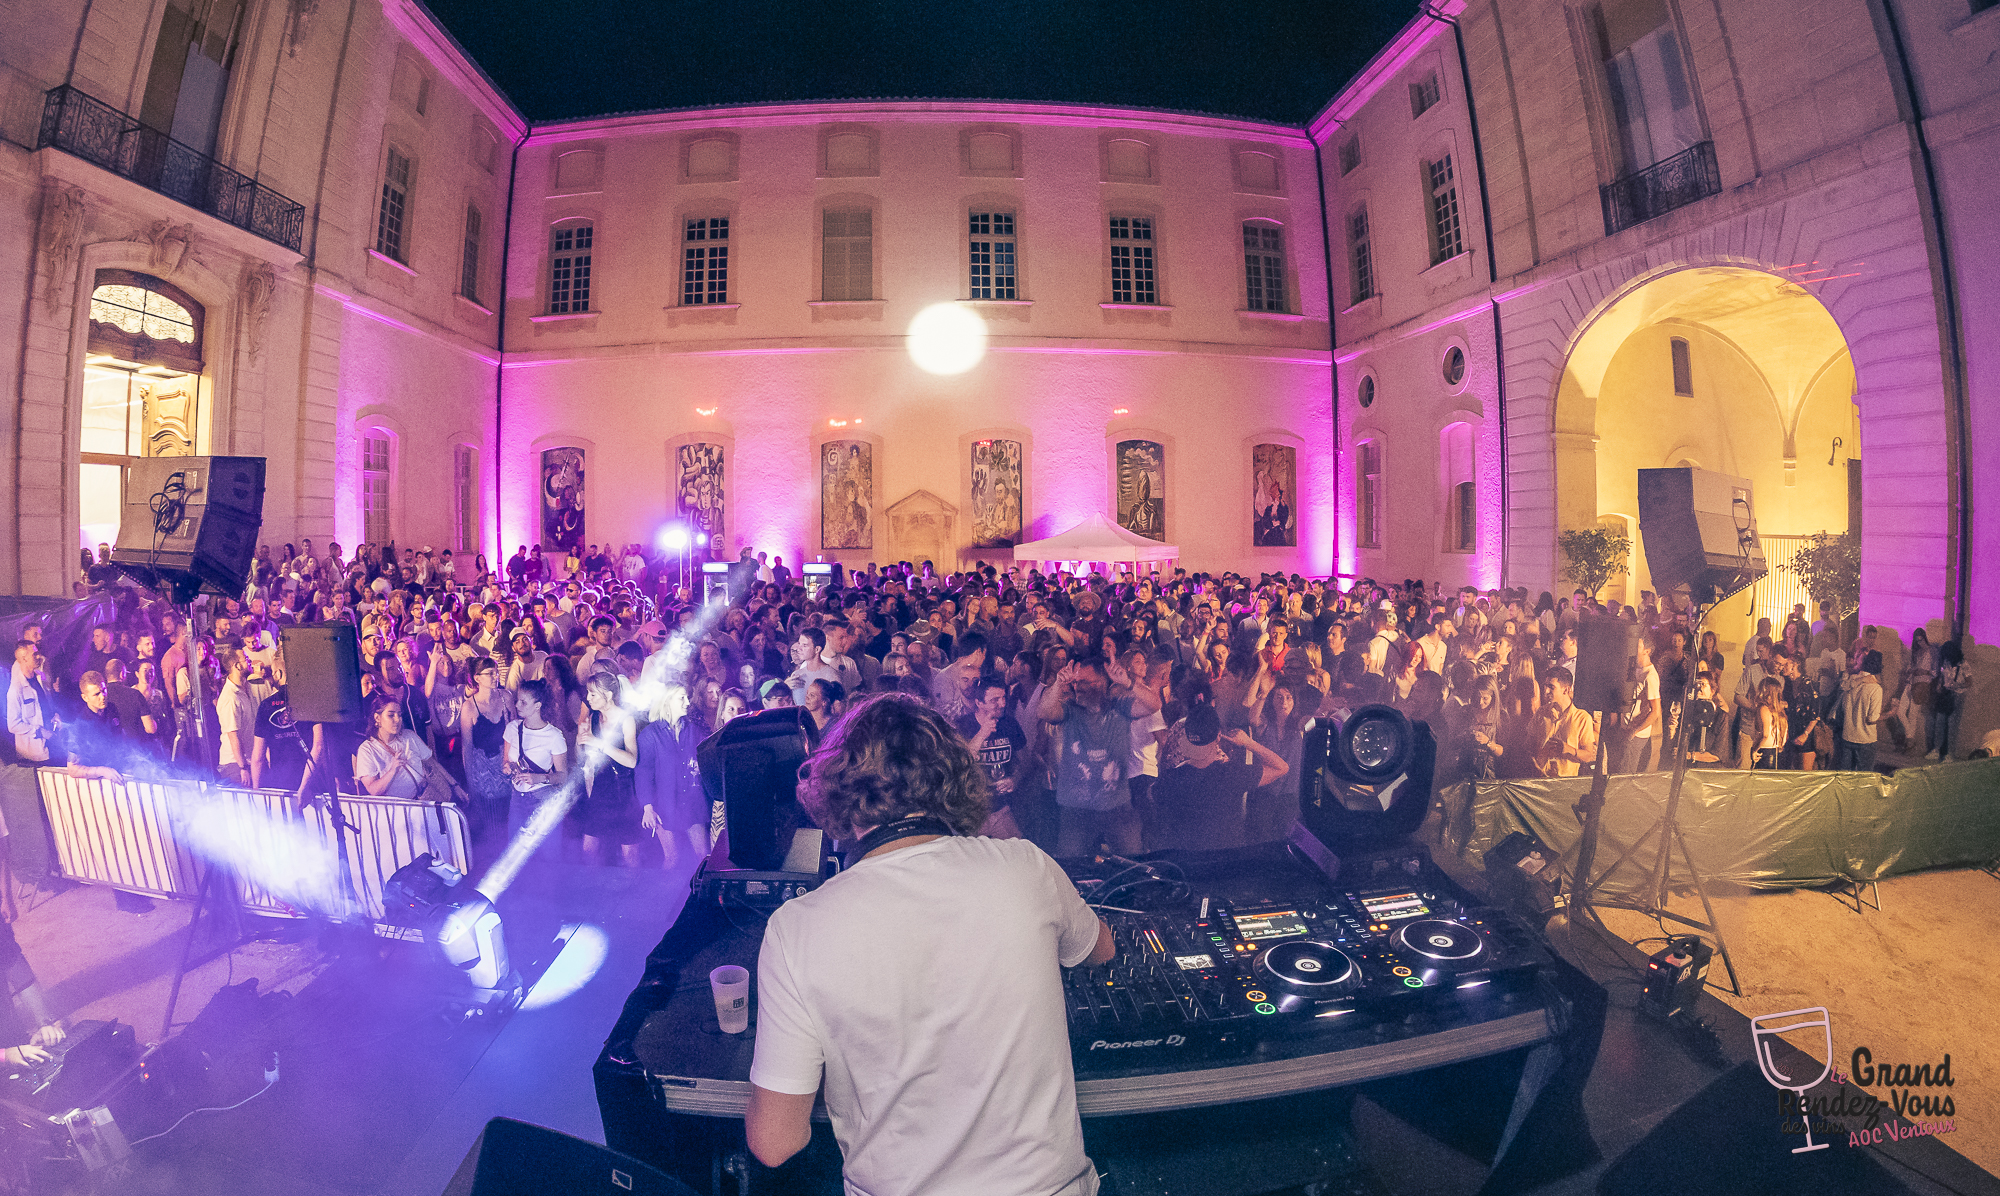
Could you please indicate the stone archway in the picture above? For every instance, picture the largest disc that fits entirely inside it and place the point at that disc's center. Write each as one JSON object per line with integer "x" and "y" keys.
{"x": 1883, "y": 308}
{"x": 1735, "y": 369}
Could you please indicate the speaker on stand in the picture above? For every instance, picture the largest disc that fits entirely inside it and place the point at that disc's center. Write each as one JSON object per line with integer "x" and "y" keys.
{"x": 1700, "y": 533}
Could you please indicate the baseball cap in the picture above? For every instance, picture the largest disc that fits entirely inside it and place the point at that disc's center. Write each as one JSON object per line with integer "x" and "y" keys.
{"x": 654, "y": 628}
{"x": 764, "y": 690}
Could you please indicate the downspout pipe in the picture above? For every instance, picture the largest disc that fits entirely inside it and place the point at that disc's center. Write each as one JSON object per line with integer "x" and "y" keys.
{"x": 1492, "y": 272}
{"x": 1332, "y": 359}
{"x": 1956, "y": 367}
{"x": 500, "y": 351}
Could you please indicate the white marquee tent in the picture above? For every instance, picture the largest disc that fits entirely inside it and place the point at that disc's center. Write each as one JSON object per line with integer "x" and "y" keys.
{"x": 1097, "y": 539}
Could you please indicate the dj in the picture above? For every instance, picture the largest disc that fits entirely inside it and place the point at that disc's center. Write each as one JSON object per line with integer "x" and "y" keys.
{"x": 921, "y": 985}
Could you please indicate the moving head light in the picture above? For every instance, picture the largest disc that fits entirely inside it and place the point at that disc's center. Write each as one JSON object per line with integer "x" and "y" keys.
{"x": 1365, "y": 780}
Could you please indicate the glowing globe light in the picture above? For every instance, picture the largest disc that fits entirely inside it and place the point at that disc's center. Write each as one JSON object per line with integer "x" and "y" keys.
{"x": 946, "y": 338}
{"x": 673, "y": 537}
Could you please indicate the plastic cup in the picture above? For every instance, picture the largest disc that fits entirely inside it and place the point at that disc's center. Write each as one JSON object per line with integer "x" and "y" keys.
{"x": 731, "y": 985}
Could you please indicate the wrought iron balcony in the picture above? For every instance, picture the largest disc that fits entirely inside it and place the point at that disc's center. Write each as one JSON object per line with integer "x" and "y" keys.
{"x": 1660, "y": 188}
{"x": 96, "y": 132}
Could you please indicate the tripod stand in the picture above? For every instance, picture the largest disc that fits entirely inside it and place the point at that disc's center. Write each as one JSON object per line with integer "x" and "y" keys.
{"x": 1667, "y": 827}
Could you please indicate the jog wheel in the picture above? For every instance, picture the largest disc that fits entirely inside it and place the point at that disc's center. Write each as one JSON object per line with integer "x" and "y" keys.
{"x": 1309, "y": 967}
{"x": 1450, "y": 946}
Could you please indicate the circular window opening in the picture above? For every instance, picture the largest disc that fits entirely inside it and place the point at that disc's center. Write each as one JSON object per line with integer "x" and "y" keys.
{"x": 1454, "y": 366}
{"x": 1368, "y": 391}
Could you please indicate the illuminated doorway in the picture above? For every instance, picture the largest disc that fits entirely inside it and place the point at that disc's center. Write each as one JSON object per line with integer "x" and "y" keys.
{"x": 1722, "y": 368}
{"x": 144, "y": 394}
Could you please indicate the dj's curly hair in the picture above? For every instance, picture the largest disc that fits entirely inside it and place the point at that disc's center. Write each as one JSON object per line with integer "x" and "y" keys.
{"x": 892, "y": 757}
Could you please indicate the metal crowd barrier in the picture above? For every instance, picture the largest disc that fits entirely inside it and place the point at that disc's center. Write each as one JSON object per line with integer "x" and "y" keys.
{"x": 126, "y": 836}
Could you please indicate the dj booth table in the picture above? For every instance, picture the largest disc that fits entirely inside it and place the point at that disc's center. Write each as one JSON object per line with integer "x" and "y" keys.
{"x": 1253, "y": 1117}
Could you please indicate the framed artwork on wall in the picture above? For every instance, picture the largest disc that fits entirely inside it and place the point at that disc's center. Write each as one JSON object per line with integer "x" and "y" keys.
{"x": 1142, "y": 491}
{"x": 1274, "y": 519}
{"x": 562, "y": 499}
{"x": 847, "y": 494}
{"x": 698, "y": 491}
{"x": 996, "y": 493}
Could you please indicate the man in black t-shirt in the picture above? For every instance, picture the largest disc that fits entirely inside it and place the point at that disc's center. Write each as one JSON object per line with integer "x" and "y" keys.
{"x": 278, "y": 750}
{"x": 998, "y": 743}
{"x": 1201, "y": 801}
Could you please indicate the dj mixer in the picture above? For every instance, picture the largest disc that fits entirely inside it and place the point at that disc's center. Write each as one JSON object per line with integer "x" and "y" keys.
{"x": 1219, "y": 958}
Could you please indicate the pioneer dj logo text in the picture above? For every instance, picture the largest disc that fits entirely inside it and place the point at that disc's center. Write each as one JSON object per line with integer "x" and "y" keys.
{"x": 1170, "y": 1040}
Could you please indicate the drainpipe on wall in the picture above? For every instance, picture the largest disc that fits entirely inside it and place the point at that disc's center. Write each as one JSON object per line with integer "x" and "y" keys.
{"x": 1934, "y": 227}
{"x": 1492, "y": 273}
{"x": 500, "y": 348}
{"x": 1332, "y": 361}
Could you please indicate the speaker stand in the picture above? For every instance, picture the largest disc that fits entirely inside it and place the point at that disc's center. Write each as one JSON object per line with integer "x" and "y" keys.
{"x": 1667, "y": 826}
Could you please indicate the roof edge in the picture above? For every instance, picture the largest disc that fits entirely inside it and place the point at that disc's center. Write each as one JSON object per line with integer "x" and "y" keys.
{"x": 1411, "y": 40}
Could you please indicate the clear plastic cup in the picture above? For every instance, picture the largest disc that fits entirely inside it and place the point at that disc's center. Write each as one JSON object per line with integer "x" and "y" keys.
{"x": 731, "y": 986}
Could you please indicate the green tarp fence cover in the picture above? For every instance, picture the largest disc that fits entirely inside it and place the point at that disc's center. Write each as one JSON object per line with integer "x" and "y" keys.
{"x": 1768, "y": 830}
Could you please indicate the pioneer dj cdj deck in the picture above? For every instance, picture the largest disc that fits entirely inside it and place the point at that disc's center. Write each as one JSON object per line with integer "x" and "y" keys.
{"x": 1221, "y": 957}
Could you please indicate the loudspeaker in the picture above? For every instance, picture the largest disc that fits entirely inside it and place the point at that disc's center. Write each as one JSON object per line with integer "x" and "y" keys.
{"x": 1700, "y": 530}
{"x": 1605, "y": 650}
{"x": 751, "y": 766}
{"x": 322, "y": 672}
{"x": 192, "y": 519}
{"x": 513, "y": 1158}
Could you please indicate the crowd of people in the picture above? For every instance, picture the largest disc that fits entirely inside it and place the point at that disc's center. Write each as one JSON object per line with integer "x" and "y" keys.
{"x": 1134, "y": 712}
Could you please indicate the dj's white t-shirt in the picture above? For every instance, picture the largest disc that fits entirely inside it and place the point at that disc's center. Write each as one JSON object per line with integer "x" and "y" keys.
{"x": 924, "y": 983}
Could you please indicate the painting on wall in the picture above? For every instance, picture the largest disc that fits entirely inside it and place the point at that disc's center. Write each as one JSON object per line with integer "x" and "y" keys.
{"x": 698, "y": 490}
{"x": 1142, "y": 488}
{"x": 562, "y": 499}
{"x": 1274, "y": 520}
{"x": 996, "y": 493}
{"x": 847, "y": 494}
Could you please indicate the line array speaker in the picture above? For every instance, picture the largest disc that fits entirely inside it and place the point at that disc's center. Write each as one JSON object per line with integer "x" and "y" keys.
{"x": 192, "y": 519}
{"x": 1700, "y": 530}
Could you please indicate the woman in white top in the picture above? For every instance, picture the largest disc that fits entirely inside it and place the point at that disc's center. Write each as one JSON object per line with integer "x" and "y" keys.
{"x": 391, "y": 762}
{"x": 535, "y": 752}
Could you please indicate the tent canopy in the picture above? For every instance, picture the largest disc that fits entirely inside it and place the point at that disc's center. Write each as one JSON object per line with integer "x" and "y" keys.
{"x": 1096, "y": 539}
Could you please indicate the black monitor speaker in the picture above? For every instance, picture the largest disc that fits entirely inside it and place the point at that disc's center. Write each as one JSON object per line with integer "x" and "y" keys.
{"x": 1606, "y": 650}
{"x": 751, "y": 766}
{"x": 513, "y": 1158}
{"x": 1365, "y": 780}
{"x": 322, "y": 672}
{"x": 1700, "y": 531}
{"x": 192, "y": 520}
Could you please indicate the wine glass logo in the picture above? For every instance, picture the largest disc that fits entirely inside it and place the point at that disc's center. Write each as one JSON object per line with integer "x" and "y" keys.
{"x": 1766, "y": 1028}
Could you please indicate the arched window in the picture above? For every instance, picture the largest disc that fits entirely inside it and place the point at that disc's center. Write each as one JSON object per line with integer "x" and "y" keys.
{"x": 1461, "y": 490}
{"x": 1368, "y": 494}
{"x": 143, "y": 392}
{"x": 378, "y": 461}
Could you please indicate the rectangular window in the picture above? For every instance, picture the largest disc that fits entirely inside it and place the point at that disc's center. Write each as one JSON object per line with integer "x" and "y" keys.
{"x": 1368, "y": 495}
{"x": 1264, "y": 267}
{"x": 705, "y": 272}
{"x": 375, "y": 488}
{"x": 569, "y": 269}
{"x": 389, "y": 223}
{"x": 1350, "y": 155}
{"x": 465, "y": 498}
{"x": 1132, "y": 272}
{"x": 1465, "y": 517}
{"x": 1683, "y": 367}
{"x": 468, "y": 266}
{"x": 1424, "y": 95}
{"x": 1360, "y": 256}
{"x": 847, "y": 256}
{"x": 991, "y": 255}
{"x": 1646, "y": 80}
{"x": 1447, "y": 238}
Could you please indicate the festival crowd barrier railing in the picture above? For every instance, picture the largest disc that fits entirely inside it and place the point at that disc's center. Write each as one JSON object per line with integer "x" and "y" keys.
{"x": 152, "y": 838}
{"x": 1765, "y": 830}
